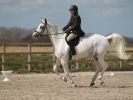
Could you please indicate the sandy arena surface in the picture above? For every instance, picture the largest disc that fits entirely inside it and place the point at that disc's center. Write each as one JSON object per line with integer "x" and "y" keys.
{"x": 50, "y": 87}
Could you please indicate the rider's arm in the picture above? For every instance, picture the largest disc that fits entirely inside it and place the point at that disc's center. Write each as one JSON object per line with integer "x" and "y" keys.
{"x": 75, "y": 25}
{"x": 68, "y": 24}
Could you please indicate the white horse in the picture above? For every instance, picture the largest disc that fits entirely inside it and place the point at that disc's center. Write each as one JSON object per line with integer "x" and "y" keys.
{"x": 95, "y": 45}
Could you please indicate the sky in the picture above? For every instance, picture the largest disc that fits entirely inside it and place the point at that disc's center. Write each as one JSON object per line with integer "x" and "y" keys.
{"x": 98, "y": 16}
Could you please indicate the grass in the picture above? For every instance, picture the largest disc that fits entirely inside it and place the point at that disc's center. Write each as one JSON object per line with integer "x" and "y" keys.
{"x": 17, "y": 63}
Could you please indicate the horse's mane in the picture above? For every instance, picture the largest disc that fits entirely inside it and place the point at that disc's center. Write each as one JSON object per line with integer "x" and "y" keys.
{"x": 51, "y": 24}
{"x": 59, "y": 29}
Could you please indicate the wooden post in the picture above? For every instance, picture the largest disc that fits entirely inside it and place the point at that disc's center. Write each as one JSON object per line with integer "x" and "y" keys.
{"x": 77, "y": 64}
{"x": 54, "y": 58}
{"x": 3, "y": 57}
{"x": 120, "y": 64}
{"x": 29, "y": 57}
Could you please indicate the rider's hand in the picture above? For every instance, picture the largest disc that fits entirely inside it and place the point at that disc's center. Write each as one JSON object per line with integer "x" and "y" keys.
{"x": 66, "y": 31}
{"x": 63, "y": 29}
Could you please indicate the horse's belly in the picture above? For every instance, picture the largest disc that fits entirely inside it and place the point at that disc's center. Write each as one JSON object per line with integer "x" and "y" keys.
{"x": 82, "y": 53}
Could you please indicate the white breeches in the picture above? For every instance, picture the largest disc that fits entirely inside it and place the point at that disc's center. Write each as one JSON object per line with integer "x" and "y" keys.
{"x": 71, "y": 36}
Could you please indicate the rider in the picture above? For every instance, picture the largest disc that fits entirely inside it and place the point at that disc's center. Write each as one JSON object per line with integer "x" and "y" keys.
{"x": 73, "y": 28}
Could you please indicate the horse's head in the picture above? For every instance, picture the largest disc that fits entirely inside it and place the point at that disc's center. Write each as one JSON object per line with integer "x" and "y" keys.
{"x": 41, "y": 30}
{"x": 46, "y": 28}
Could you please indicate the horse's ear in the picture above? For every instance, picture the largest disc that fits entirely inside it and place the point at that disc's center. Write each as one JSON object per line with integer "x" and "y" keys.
{"x": 41, "y": 18}
{"x": 45, "y": 20}
{"x": 42, "y": 21}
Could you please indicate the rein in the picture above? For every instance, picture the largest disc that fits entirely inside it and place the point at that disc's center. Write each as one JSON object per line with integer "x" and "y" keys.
{"x": 54, "y": 36}
{"x": 40, "y": 34}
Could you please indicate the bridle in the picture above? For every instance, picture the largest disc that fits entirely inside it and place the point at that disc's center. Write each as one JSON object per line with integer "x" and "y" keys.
{"x": 43, "y": 29}
{"x": 40, "y": 34}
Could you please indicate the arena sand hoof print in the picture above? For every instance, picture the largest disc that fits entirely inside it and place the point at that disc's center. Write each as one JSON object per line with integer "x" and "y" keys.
{"x": 102, "y": 84}
{"x": 75, "y": 85}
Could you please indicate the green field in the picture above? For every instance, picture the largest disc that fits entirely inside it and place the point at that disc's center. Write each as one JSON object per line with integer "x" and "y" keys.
{"x": 18, "y": 63}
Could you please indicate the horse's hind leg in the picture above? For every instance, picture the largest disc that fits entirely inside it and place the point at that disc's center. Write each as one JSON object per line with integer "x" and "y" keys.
{"x": 104, "y": 66}
{"x": 98, "y": 69}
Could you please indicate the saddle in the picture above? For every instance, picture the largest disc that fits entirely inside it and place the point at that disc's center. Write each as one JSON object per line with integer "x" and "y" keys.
{"x": 72, "y": 43}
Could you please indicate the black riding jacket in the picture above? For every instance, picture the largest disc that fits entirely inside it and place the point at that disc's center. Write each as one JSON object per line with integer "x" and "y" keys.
{"x": 74, "y": 25}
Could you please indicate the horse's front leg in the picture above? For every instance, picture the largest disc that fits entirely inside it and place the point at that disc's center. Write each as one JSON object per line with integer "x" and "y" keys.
{"x": 66, "y": 70}
{"x": 55, "y": 68}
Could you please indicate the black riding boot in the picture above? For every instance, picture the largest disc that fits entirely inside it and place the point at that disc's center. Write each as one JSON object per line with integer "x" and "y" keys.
{"x": 72, "y": 52}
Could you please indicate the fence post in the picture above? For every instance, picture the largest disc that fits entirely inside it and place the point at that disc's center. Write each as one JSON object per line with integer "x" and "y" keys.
{"x": 77, "y": 64}
{"x": 29, "y": 57}
{"x": 3, "y": 57}
{"x": 54, "y": 57}
{"x": 120, "y": 64}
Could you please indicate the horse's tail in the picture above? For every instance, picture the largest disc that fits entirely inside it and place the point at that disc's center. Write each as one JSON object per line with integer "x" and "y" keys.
{"x": 118, "y": 43}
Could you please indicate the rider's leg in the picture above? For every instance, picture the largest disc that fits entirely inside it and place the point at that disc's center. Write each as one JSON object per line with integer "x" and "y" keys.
{"x": 71, "y": 36}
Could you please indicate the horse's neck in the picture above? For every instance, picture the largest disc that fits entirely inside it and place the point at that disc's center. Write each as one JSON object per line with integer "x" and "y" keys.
{"x": 55, "y": 39}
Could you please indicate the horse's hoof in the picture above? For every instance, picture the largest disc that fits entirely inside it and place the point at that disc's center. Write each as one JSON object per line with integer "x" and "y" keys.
{"x": 92, "y": 84}
{"x": 64, "y": 79}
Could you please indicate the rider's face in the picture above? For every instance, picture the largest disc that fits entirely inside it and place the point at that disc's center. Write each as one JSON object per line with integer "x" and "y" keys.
{"x": 72, "y": 12}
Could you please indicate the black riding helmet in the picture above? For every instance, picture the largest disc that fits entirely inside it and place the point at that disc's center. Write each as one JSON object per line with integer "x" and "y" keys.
{"x": 74, "y": 8}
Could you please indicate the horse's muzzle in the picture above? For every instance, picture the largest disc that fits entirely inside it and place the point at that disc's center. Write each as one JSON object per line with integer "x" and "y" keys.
{"x": 34, "y": 36}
